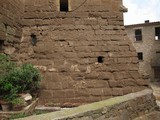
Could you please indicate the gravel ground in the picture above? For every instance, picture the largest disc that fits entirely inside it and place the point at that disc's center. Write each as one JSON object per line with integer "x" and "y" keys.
{"x": 156, "y": 91}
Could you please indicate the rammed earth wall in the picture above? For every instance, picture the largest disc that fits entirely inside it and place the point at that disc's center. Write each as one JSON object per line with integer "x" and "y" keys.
{"x": 11, "y": 12}
{"x": 84, "y": 54}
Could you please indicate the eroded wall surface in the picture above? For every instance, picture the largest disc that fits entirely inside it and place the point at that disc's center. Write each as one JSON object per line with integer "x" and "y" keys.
{"x": 69, "y": 46}
{"x": 11, "y": 12}
{"x": 84, "y": 54}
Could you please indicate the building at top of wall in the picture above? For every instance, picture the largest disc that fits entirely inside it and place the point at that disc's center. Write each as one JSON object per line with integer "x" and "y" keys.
{"x": 80, "y": 46}
{"x": 146, "y": 40}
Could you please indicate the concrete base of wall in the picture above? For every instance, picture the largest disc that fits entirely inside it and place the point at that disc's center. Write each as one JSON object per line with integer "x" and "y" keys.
{"x": 132, "y": 106}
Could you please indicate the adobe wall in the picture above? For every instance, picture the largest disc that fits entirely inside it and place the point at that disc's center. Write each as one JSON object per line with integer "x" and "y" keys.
{"x": 69, "y": 44}
{"x": 11, "y": 12}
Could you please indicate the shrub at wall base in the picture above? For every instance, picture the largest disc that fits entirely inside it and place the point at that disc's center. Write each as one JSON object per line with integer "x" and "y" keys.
{"x": 15, "y": 80}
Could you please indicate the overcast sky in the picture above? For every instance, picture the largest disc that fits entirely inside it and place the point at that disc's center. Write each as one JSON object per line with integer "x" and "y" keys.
{"x": 141, "y": 10}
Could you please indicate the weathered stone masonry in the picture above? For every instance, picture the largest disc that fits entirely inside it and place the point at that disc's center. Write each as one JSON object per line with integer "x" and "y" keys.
{"x": 10, "y": 25}
{"x": 84, "y": 54}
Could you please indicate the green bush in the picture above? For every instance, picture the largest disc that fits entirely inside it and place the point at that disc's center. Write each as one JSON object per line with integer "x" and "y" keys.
{"x": 18, "y": 101}
{"x": 16, "y": 79}
{"x": 5, "y": 64}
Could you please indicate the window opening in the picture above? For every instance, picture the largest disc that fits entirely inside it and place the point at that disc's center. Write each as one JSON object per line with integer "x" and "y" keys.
{"x": 138, "y": 35}
{"x": 33, "y": 39}
{"x": 100, "y": 59}
{"x": 64, "y": 5}
{"x": 157, "y": 33}
{"x": 140, "y": 56}
{"x": 1, "y": 44}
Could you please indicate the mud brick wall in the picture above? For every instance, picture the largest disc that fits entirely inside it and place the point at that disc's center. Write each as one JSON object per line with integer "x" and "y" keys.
{"x": 11, "y": 12}
{"x": 84, "y": 54}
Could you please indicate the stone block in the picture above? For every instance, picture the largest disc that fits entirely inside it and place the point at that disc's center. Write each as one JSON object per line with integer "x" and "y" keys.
{"x": 68, "y": 84}
{"x": 91, "y": 83}
{"x": 9, "y": 50}
{"x": 45, "y": 62}
{"x": 43, "y": 85}
{"x": 107, "y": 92}
{"x": 18, "y": 33}
{"x": 10, "y": 30}
{"x": 124, "y": 60}
{"x": 54, "y": 85}
{"x": 70, "y": 93}
{"x": 121, "y": 75}
{"x": 68, "y": 21}
{"x": 76, "y": 101}
{"x": 90, "y": 21}
{"x": 134, "y": 74}
{"x": 2, "y": 27}
{"x": 127, "y": 90}
{"x": 52, "y": 77}
{"x": 2, "y": 35}
{"x": 47, "y": 94}
{"x": 138, "y": 88}
{"x": 101, "y": 84}
{"x": 96, "y": 91}
{"x": 77, "y": 76}
{"x": 29, "y": 22}
{"x": 113, "y": 83}
{"x": 142, "y": 82}
{"x": 58, "y": 94}
{"x": 117, "y": 91}
{"x": 105, "y": 76}
{"x": 93, "y": 99}
{"x": 41, "y": 2}
{"x": 10, "y": 38}
{"x": 129, "y": 82}
{"x": 92, "y": 75}
{"x": 82, "y": 68}
{"x": 82, "y": 93}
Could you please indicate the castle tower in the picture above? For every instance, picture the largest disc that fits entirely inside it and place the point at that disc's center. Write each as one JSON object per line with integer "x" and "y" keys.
{"x": 82, "y": 49}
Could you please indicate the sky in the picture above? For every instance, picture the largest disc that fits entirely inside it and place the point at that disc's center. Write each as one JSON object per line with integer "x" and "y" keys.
{"x": 141, "y": 10}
